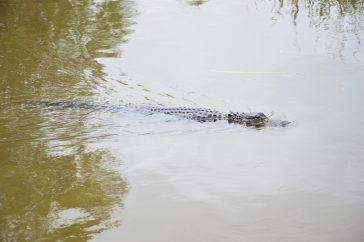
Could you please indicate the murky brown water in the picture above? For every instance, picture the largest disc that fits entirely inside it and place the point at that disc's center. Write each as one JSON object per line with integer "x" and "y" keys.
{"x": 75, "y": 175}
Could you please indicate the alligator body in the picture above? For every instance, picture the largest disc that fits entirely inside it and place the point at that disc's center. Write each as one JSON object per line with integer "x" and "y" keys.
{"x": 197, "y": 114}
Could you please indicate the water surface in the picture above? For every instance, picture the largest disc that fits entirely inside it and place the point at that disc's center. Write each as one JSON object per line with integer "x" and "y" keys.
{"x": 77, "y": 175}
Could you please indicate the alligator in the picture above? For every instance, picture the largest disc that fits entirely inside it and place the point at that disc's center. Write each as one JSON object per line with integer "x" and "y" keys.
{"x": 202, "y": 115}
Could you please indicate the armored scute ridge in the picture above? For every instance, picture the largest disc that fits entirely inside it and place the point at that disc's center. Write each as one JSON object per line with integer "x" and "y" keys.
{"x": 197, "y": 114}
{"x": 209, "y": 115}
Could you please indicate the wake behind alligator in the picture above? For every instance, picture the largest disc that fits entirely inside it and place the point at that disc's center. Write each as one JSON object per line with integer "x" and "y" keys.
{"x": 202, "y": 115}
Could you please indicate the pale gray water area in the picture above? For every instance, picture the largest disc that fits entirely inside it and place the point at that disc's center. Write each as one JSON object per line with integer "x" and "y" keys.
{"x": 77, "y": 175}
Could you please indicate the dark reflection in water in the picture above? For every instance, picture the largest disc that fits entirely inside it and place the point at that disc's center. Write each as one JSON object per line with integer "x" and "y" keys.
{"x": 45, "y": 196}
{"x": 197, "y": 2}
{"x": 53, "y": 184}
{"x": 342, "y": 20}
{"x": 49, "y": 47}
{"x": 324, "y": 10}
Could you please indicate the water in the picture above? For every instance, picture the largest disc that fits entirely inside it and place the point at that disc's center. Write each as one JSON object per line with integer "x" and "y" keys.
{"x": 76, "y": 175}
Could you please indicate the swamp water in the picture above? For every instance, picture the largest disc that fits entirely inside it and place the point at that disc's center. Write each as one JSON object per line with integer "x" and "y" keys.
{"x": 76, "y": 175}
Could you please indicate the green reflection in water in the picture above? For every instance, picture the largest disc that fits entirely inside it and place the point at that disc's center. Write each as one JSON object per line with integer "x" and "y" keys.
{"x": 196, "y": 2}
{"x": 53, "y": 185}
{"x": 48, "y": 48}
{"x": 341, "y": 20}
{"x": 56, "y": 197}
{"x": 322, "y": 11}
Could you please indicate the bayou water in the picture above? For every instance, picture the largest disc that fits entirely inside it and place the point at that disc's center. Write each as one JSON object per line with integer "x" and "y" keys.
{"x": 78, "y": 175}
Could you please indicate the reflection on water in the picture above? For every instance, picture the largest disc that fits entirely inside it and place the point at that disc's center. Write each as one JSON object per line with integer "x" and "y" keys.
{"x": 53, "y": 184}
{"x": 342, "y": 20}
{"x": 58, "y": 178}
{"x": 197, "y": 2}
{"x": 51, "y": 197}
{"x": 48, "y": 48}
{"x": 322, "y": 11}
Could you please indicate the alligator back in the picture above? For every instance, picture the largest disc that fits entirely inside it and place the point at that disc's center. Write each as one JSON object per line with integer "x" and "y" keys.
{"x": 196, "y": 114}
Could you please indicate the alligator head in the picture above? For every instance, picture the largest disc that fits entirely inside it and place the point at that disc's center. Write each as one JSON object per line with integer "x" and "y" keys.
{"x": 256, "y": 120}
